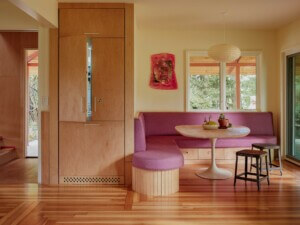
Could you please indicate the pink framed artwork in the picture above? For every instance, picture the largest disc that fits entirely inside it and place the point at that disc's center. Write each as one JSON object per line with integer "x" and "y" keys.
{"x": 163, "y": 71}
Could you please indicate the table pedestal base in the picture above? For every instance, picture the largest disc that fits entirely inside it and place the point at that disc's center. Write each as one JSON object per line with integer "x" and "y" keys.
{"x": 215, "y": 173}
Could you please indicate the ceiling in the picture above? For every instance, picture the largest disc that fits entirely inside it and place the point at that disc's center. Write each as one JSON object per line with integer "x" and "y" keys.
{"x": 12, "y": 18}
{"x": 248, "y": 14}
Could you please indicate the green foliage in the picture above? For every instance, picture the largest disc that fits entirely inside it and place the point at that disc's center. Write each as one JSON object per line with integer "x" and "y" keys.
{"x": 230, "y": 92}
{"x": 205, "y": 92}
{"x": 33, "y": 107}
{"x": 248, "y": 91}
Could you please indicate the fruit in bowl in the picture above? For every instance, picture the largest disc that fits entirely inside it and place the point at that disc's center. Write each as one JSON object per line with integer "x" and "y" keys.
{"x": 210, "y": 125}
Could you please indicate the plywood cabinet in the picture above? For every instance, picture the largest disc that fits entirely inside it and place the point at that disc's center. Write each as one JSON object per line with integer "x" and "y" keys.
{"x": 72, "y": 78}
{"x": 91, "y": 149}
{"x": 108, "y": 78}
{"x": 92, "y": 69}
{"x": 100, "y": 22}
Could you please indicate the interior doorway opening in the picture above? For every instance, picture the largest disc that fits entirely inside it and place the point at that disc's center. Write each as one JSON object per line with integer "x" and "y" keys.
{"x": 32, "y": 116}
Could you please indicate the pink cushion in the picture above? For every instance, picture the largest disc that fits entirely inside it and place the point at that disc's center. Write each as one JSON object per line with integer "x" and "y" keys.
{"x": 157, "y": 142}
{"x": 163, "y": 123}
{"x": 226, "y": 143}
{"x": 161, "y": 154}
{"x": 139, "y": 134}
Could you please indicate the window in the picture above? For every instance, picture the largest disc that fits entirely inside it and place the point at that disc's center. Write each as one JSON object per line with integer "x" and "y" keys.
{"x": 221, "y": 86}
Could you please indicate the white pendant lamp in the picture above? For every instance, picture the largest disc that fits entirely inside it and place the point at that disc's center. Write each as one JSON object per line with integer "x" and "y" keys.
{"x": 224, "y": 52}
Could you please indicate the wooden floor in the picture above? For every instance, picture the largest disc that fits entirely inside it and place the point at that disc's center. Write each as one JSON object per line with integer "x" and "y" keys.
{"x": 198, "y": 202}
{"x": 19, "y": 171}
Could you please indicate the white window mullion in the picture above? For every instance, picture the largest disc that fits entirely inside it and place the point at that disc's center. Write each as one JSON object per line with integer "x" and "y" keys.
{"x": 223, "y": 86}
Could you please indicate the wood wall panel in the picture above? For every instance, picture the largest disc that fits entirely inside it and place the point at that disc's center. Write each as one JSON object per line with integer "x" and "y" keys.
{"x": 129, "y": 88}
{"x": 53, "y": 106}
{"x": 72, "y": 78}
{"x": 108, "y": 79}
{"x": 12, "y": 86}
{"x": 91, "y": 149}
{"x": 45, "y": 146}
{"x": 103, "y": 22}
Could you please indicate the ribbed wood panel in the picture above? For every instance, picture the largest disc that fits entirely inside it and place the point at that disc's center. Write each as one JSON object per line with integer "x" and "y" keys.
{"x": 155, "y": 182}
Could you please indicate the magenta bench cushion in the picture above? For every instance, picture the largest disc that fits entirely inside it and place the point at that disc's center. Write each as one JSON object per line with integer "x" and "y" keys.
{"x": 157, "y": 143}
{"x": 163, "y": 123}
{"x": 161, "y": 154}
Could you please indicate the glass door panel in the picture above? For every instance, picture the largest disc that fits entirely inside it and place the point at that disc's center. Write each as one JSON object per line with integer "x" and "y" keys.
{"x": 293, "y": 106}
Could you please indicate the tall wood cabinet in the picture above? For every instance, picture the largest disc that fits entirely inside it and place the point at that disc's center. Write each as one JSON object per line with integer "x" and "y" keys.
{"x": 95, "y": 41}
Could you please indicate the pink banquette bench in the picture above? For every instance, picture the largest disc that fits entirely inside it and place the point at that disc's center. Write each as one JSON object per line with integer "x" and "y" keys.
{"x": 157, "y": 156}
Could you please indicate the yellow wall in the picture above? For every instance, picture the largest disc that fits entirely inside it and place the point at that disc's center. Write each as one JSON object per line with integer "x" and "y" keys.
{"x": 46, "y": 9}
{"x": 150, "y": 41}
{"x": 12, "y": 18}
{"x": 289, "y": 36}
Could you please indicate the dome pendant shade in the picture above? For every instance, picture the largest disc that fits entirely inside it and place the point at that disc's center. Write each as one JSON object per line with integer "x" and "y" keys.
{"x": 224, "y": 52}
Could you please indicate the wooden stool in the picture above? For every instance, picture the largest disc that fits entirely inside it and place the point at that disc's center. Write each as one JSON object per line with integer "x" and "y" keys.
{"x": 269, "y": 147}
{"x": 258, "y": 155}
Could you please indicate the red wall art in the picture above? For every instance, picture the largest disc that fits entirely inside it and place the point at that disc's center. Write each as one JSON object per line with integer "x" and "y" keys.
{"x": 163, "y": 72}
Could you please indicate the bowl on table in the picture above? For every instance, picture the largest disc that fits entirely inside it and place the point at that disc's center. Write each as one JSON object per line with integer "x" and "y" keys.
{"x": 210, "y": 126}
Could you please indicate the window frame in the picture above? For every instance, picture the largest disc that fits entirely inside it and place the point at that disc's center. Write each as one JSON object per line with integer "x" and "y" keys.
{"x": 222, "y": 108}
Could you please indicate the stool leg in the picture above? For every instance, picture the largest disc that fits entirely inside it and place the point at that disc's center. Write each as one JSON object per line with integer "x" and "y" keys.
{"x": 251, "y": 161}
{"x": 246, "y": 167}
{"x": 267, "y": 169}
{"x": 270, "y": 158}
{"x": 257, "y": 173}
{"x": 236, "y": 165}
{"x": 260, "y": 165}
{"x": 279, "y": 158}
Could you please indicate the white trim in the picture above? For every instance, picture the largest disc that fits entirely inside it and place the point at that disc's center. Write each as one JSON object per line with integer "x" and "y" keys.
{"x": 283, "y": 104}
{"x": 222, "y": 86}
{"x": 292, "y": 161}
{"x": 257, "y": 54}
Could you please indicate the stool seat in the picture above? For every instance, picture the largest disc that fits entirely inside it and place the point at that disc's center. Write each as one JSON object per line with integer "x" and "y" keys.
{"x": 265, "y": 146}
{"x": 270, "y": 147}
{"x": 249, "y": 152}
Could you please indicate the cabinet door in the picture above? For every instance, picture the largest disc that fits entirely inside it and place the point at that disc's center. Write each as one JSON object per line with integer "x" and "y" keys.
{"x": 102, "y": 22}
{"x": 108, "y": 79}
{"x": 72, "y": 78}
{"x": 91, "y": 149}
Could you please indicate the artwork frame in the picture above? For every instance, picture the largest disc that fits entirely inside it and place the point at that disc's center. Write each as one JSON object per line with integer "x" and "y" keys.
{"x": 163, "y": 74}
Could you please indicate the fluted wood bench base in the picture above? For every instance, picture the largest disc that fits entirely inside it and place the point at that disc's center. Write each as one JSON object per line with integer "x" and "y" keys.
{"x": 155, "y": 182}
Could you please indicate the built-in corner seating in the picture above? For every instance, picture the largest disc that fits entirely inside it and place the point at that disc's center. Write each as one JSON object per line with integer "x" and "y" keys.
{"x": 157, "y": 156}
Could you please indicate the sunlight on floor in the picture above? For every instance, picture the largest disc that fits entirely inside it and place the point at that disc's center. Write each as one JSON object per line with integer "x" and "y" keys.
{"x": 32, "y": 149}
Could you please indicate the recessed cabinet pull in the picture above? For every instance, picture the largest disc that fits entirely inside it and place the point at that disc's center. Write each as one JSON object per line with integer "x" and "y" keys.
{"x": 91, "y": 33}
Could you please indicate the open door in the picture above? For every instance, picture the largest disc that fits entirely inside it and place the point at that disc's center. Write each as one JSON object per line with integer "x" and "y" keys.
{"x": 31, "y": 128}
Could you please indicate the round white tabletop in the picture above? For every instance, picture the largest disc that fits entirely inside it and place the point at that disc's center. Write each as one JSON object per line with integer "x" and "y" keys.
{"x": 197, "y": 131}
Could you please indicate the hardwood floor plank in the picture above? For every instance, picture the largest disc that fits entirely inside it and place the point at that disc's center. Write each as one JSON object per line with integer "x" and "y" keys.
{"x": 198, "y": 202}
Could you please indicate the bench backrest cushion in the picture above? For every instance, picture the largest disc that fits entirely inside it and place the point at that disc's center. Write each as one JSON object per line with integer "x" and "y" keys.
{"x": 163, "y": 123}
{"x": 139, "y": 134}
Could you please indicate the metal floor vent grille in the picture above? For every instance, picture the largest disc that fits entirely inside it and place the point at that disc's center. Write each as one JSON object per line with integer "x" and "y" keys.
{"x": 92, "y": 180}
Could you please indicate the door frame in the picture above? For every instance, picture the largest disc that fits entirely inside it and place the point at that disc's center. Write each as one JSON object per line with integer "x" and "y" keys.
{"x": 283, "y": 100}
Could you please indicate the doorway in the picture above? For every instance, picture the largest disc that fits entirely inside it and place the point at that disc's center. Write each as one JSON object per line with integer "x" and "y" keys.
{"x": 293, "y": 106}
{"x": 32, "y": 117}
